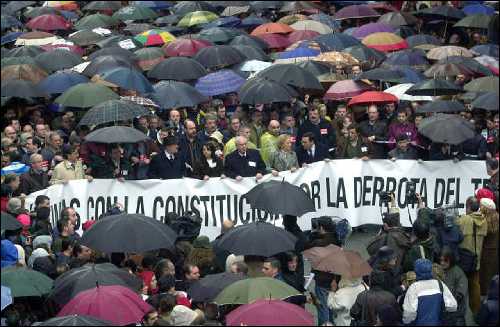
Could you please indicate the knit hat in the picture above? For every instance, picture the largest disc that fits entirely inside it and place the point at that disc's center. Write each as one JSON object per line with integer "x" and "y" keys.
{"x": 24, "y": 219}
{"x": 423, "y": 269}
{"x": 9, "y": 254}
{"x": 488, "y": 203}
{"x": 14, "y": 205}
{"x": 202, "y": 242}
{"x": 38, "y": 253}
{"x": 42, "y": 239}
{"x": 182, "y": 316}
{"x": 482, "y": 193}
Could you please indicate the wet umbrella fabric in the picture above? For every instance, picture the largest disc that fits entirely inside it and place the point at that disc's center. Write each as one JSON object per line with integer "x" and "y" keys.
{"x": 219, "y": 82}
{"x": 174, "y": 94}
{"x": 59, "y": 82}
{"x": 219, "y": 56}
{"x": 113, "y": 111}
{"x": 292, "y": 75}
{"x": 129, "y": 79}
{"x": 441, "y": 106}
{"x": 483, "y": 84}
{"x": 21, "y": 89}
{"x": 185, "y": 47}
{"x": 434, "y": 87}
{"x": 73, "y": 320}
{"x": 58, "y": 59}
{"x": 263, "y": 90}
{"x": 116, "y": 134}
{"x": 86, "y": 95}
{"x": 178, "y": 68}
{"x": 488, "y": 101}
{"x": 207, "y": 288}
{"x": 26, "y": 282}
{"x": 445, "y": 128}
{"x": 9, "y": 222}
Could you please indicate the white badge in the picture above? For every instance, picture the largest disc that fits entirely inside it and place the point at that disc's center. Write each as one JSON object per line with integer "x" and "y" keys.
{"x": 364, "y": 149}
{"x": 125, "y": 172}
{"x": 252, "y": 164}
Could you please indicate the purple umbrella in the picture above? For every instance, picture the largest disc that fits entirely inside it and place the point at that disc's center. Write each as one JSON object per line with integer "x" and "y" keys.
{"x": 371, "y": 28}
{"x": 356, "y": 11}
{"x": 345, "y": 89}
{"x": 219, "y": 82}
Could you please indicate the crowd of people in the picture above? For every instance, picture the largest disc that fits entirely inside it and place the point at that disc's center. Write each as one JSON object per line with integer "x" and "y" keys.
{"x": 430, "y": 274}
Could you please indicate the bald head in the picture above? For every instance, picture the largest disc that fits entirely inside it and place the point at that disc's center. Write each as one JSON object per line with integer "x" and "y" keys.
{"x": 274, "y": 127}
{"x": 241, "y": 144}
{"x": 227, "y": 225}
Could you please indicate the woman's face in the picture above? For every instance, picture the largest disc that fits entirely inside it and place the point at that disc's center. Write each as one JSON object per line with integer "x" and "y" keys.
{"x": 292, "y": 264}
{"x": 287, "y": 145}
{"x": 347, "y": 121}
{"x": 207, "y": 153}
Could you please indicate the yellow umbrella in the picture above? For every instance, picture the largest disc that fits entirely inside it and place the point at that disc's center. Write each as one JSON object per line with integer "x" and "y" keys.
{"x": 337, "y": 58}
{"x": 196, "y": 18}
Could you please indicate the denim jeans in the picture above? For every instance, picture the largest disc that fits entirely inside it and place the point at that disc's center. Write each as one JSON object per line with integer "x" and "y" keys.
{"x": 324, "y": 313}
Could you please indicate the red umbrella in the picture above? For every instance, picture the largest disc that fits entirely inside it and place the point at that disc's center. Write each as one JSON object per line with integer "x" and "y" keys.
{"x": 275, "y": 41}
{"x": 49, "y": 23}
{"x": 270, "y": 313}
{"x": 270, "y": 28}
{"x": 185, "y": 47}
{"x": 73, "y": 48}
{"x": 372, "y": 97}
{"x": 296, "y": 36}
{"x": 345, "y": 89}
{"x": 115, "y": 303}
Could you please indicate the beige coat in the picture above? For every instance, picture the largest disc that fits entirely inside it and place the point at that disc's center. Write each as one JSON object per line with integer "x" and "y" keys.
{"x": 63, "y": 171}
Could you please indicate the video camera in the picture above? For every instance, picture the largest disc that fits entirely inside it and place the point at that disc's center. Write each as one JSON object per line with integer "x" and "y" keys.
{"x": 411, "y": 193}
{"x": 341, "y": 228}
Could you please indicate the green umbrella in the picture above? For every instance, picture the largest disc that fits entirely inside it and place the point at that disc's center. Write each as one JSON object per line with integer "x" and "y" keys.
{"x": 85, "y": 37}
{"x": 252, "y": 289}
{"x": 196, "y": 18}
{"x": 23, "y": 60}
{"x": 94, "y": 21}
{"x": 474, "y": 21}
{"x": 483, "y": 84}
{"x": 134, "y": 13}
{"x": 86, "y": 95}
{"x": 26, "y": 282}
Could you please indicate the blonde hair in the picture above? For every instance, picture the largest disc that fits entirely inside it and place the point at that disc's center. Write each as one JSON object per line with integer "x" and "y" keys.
{"x": 282, "y": 139}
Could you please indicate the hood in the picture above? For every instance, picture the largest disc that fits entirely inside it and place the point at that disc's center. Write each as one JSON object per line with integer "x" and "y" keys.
{"x": 493, "y": 290}
{"x": 478, "y": 219}
{"x": 9, "y": 253}
{"x": 423, "y": 269}
{"x": 38, "y": 253}
{"x": 428, "y": 244}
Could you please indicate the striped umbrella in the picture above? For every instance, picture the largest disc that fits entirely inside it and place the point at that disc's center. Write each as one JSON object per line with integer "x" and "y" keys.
{"x": 112, "y": 111}
{"x": 197, "y": 18}
{"x": 385, "y": 42}
{"x": 154, "y": 37}
{"x": 219, "y": 82}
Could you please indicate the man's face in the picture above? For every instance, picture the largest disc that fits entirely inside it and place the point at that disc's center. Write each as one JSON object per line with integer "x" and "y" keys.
{"x": 274, "y": 128}
{"x": 460, "y": 78}
{"x": 245, "y": 132}
{"x": 290, "y": 122}
{"x": 257, "y": 116}
{"x": 16, "y": 125}
{"x": 353, "y": 135}
{"x": 15, "y": 183}
{"x": 28, "y": 129}
{"x": 210, "y": 126}
{"x": 11, "y": 133}
{"x": 356, "y": 70}
{"x": 221, "y": 112}
{"x": 175, "y": 117}
{"x": 116, "y": 154}
{"x": 154, "y": 123}
{"x": 143, "y": 122}
{"x": 497, "y": 122}
{"x": 241, "y": 144}
{"x": 403, "y": 145}
{"x": 445, "y": 263}
{"x": 31, "y": 147}
{"x": 37, "y": 163}
{"x": 45, "y": 204}
{"x": 306, "y": 143}
{"x": 41, "y": 131}
{"x": 314, "y": 115}
{"x": 191, "y": 129}
{"x": 418, "y": 120}
{"x": 341, "y": 112}
{"x": 73, "y": 157}
{"x": 72, "y": 216}
{"x": 390, "y": 107}
{"x": 372, "y": 113}
{"x": 69, "y": 228}
{"x": 5, "y": 161}
{"x": 235, "y": 124}
{"x": 173, "y": 148}
{"x": 194, "y": 274}
{"x": 268, "y": 270}
{"x": 56, "y": 141}
{"x": 85, "y": 254}
{"x": 292, "y": 264}
{"x": 402, "y": 117}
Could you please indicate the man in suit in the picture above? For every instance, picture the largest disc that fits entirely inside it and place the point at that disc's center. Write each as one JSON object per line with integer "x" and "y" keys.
{"x": 310, "y": 151}
{"x": 323, "y": 131}
{"x": 244, "y": 162}
{"x": 169, "y": 163}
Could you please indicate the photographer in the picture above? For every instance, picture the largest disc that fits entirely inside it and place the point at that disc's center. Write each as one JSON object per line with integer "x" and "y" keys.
{"x": 423, "y": 247}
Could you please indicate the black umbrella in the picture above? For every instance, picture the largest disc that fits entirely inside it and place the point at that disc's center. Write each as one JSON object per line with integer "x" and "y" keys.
{"x": 129, "y": 233}
{"x": 445, "y": 128}
{"x": 74, "y": 320}
{"x": 185, "y": 7}
{"x": 9, "y": 222}
{"x": 103, "y": 63}
{"x": 292, "y": 200}
{"x": 314, "y": 67}
{"x": 103, "y": 5}
{"x": 249, "y": 40}
{"x": 218, "y": 56}
{"x": 337, "y": 41}
{"x": 170, "y": 19}
{"x": 262, "y": 90}
{"x": 365, "y": 54}
{"x": 74, "y": 281}
{"x": 112, "y": 41}
{"x": 14, "y": 6}
{"x": 178, "y": 68}
{"x": 441, "y": 106}
{"x": 397, "y": 19}
{"x": 113, "y": 51}
{"x": 174, "y": 94}
{"x": 261, "y": 5}
{"x": 21, "y": 89}
{"x": 434, "y": 87}
{"x": 252, "y": 53}
{"x": 381, "y": 74}
{"x": 487, "y": 101}
{"x": 207, "y": 288}
{"x": 136, "y": 28}
{"x": 444, "y": 11}
{"x": 116, "y": 134}
{"x": 113, "y": 111}
{"x": 25, "y": 50}
{"x": 58, "y": 59}
{"x": 292, "y": 75}
{"x": 85, "y": 37}
{"x": 219, "y": 34}
{"x": 258, "y": 238}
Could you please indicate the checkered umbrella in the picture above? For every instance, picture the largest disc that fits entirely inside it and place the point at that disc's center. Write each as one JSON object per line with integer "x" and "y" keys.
{"x": 219, "y": 82}
{"x": 113, "y": 111}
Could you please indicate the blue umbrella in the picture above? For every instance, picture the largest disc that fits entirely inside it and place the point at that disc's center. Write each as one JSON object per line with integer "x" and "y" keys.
{"x": 411, "y": 57}
{"x": 11, "y": 37}
{"x": 486, "y": 50}
{"x": 350, "y": 30}
{"x": 420, "y": 39}
{"x": 478, "y": 9}
{"x": 6, "y": 297}
{"x": 337, "y": 42}
{"x": 59, "y": 82}
{"x": 15, "y": 168}
{"x": 8, "y": 21}
{"x": 219, "y": 82}
{"x": 327, "y": 20}
{"x": 252, "y": 21}
{"x": 155, "y": 5}
{"x": 230, "y": 21}
{"x": 174, "y": 94}
{"x": 299, "y": 52}
{"x": 128, "y": 78}
{"x": 69, "y": 15}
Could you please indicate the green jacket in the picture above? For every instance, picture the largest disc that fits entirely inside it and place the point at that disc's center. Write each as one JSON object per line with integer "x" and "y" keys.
{"x": 429, "y": 247}
{"x": 256, "y": 133}
{"x": 268, "y": 144}
{"x": 466, "y": 223}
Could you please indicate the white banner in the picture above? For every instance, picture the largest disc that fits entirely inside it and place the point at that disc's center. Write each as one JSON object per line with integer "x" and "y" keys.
{"x": 344, "y": 188}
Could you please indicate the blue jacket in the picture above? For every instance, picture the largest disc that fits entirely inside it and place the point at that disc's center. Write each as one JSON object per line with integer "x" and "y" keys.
{"x": 162, "y": 168}
{"x": 488, "y": 313}
{"x": 249, "y": 166}
{"x": 9, "y": 254}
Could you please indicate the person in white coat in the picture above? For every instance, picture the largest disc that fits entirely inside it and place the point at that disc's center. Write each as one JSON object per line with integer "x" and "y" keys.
{"x": 342, "y": 299}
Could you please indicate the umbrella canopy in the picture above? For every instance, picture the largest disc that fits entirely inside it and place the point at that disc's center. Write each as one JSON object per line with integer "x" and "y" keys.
{"x": 298, "y": 53}
{"x": 112, "y": 51}
{"x": 295, "y": 201}
{"x": 49, "y": 23}
{"x": 173, "y": 94}
{"x": 116, "y": 304}
{"x": 103, "y": 63}
{"x": 483, "y": 84}
{"x": 372, "y": 97}
{"x": 134, "y": 13}
{"x": 399, "y": 91}
{"x": 487, "y": 101}
{"x": 252, "y": 53}
{"x": 26, "y": 50}
{"x": 473, "y": 65}
{"x": 491, "y": 50}
{"x": 385, "y": 42}
{"x": 434, "y": 87}
{"x": 445, "y": 11}
{"x": 36, "y": 38}
{"x": 442, "y": 106}
{"x": 74, "y": 320}
{"x": 25, "y": 72}
{"x": 91, "y": 22}
{"x": 297, "y": 6}
{"x": 381, "y": 74}
{"x": 290, "y": 19}
{"x": 447, "y": 70}
{"x": 178, "y": 68}
{"x": 235, "y": 10}
{"x": 185, "y": 47}
{"x": 86, "y": 277}
{"x": 253, "y": 21}
{"x": 367, "y": 29}
{"x": 312, "y": 25}
{"x": 207, "y": 288}
{"x": 219, "y": 82}
{"x": 24, "y": 60}
{"x": 262, "y": 5}
{"x": 249, "y": 40}
{"x": 147, "y": 58}
{"x": 263, "y": 90}
{"x": 397, "y": 19}
{"x": 219, "y": 56}
{"x": 474, "y": 21}
{"x": 315, "y": 67}
{"x": 154, "y": 37}
{"x": 478, "y": 8}
{"x": 448, "y": 51}
{"x": 59, "y": 82}
{"x": 85, "y": 95}
{"x": 127, "y": 78}
{"x": 365, "y": 54}
{"x": 334, "y": 259}
{"x": 185, "y": 7}
{"x": 337, "y": 58}
{"x": 136, "y": 28}
{"x": 253, "y": 66}
{"x": 489, "y": 62}
{"x": 252, "y": 289}
{"x": 218, "y": 34}
{"x": 410, "y": 57}
{"x": 197, "y": 18}
{"x": 270, "y": 312}
{"x": 14, "y": 6}
{"x": 85, "y": 37}
{"x": 272, "y": 28}
{"x": 25, "y": 282}
{"x": 58, "y": 59}
{"x": 258, "y": 238}
{"x": 224, "y": 22}
{"x": 297, "y": 36}
{"x": 116, "y": 134}
{"x": 445, "y": 128}
{"x": 345, "y": 89}
{"x": 114, "y": 41}
{"x": 6, "y": 297}
{"x": 103, "y": 5}
{"x": 9, "y": 21}
{"x": 355, "y": 11}
{"x": 337, "y": 41}
{"x": 422, "y": 39}
{"x": 9, "y": 222}
{"x": 275, "y": 41}
{"x": 21, "y": 89}
{"x": 113, "y": 111}
{"x": 292, "y": 75}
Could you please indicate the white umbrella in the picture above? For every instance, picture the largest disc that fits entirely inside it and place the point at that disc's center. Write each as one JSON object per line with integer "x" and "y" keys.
{"x": 43, "y": 41}
{"x": 399, "y": 91}
{"x": 254, "y": 66}
{"x": 312, "y": 25}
